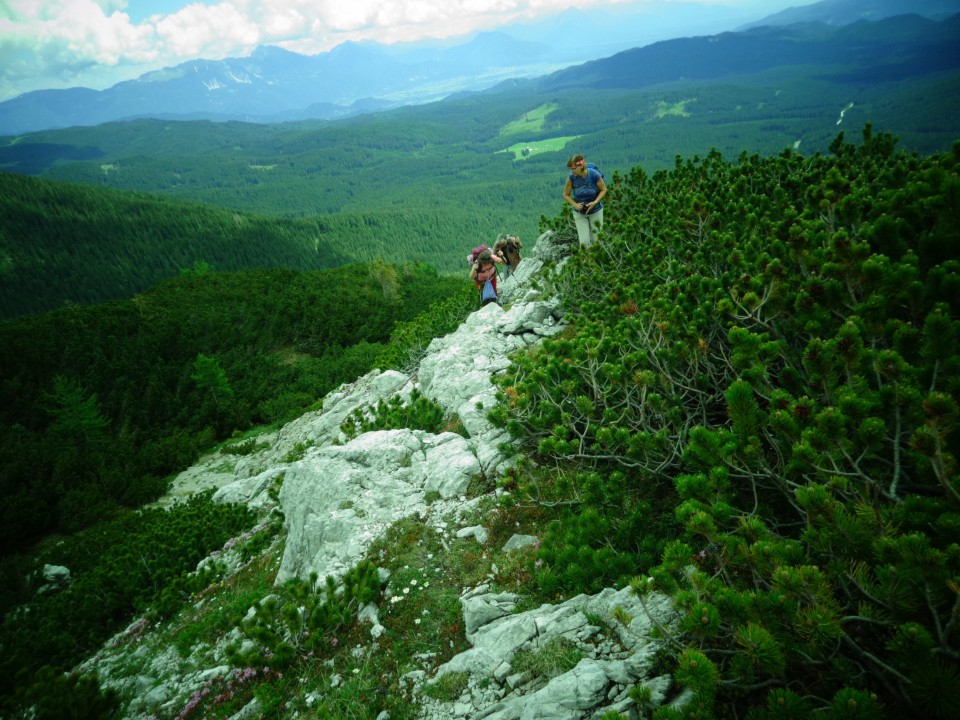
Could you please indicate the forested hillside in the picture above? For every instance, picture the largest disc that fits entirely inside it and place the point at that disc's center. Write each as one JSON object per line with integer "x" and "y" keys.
{"x": 905, "y": 46}
{"x": 63, "y": 243}
{"x": 100, "y": 404}
{"x": 402, "y": 187}
{"x": 756, "y": 412}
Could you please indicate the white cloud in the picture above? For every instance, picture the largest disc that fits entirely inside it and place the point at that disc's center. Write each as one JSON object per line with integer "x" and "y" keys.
{"x": 213, "y": 31}
{"x": 56, "y": 43}
{"x": 281, "y": 18}
{"x": 351, "y": 15}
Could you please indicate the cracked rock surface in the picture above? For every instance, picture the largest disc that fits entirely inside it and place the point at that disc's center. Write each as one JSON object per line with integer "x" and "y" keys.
{"x": 615, "y": 655}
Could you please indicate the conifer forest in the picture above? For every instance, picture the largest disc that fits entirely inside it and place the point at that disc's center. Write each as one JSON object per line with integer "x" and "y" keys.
{"x": 754, "y": 408}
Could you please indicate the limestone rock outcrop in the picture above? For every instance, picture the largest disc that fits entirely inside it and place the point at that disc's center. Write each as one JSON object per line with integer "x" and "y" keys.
{"x": 339, "y": 494}
{"x": 614, "y": 656}
{"x": 337, "y": 498}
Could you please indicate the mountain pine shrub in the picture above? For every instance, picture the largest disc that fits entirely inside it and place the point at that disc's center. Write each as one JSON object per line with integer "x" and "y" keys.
{"x": 137, "y": 563}
{"x": 409, "y": 340}
{"x": 768, "y": 347}
{"x": 416, "y": 412}
{"x": 304, "y": 618}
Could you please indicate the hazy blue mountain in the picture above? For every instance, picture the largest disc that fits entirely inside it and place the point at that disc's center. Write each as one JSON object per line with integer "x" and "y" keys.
{"x": 262, "y": 86}
{"x": 894, "y": 48}
{"x": 273, "y": 84}
{"x": 845, "y": 12}
{"x": 580, "y": 35}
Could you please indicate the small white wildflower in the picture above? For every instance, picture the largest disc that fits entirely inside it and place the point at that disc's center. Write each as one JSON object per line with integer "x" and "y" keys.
{"x": 416, "y": 621}
{"x": 413, "y": 582}
{"x": 406, "y": 591}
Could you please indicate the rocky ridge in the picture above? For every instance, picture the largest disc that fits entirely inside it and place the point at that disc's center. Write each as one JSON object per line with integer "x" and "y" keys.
{"x": 338, "y": 496}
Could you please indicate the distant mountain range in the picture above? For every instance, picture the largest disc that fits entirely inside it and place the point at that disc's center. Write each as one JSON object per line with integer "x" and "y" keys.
{"x": 895, "y": 48}
{"x": 846, "y": 12}
{"x": 273, "y": 85}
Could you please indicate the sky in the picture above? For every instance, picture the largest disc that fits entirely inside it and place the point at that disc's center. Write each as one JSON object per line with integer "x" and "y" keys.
{"x": 54, "y": 44}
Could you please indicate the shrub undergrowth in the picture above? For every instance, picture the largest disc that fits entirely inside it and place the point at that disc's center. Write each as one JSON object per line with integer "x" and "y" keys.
{"x": 148, "y": 564}
{"x": 769, "y": 346}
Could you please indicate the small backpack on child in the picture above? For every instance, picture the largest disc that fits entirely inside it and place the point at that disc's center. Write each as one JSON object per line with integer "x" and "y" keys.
{"x": 487, "y": 293}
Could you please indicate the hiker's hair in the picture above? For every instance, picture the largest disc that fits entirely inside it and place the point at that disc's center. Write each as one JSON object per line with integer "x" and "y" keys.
{"x": 485, "y": 257}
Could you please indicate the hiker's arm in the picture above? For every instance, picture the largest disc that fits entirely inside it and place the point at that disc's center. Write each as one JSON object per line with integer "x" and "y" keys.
{"x": 567, "y": 189}
{"x": 473, "y": 272}
{"x": 602, "y": 187}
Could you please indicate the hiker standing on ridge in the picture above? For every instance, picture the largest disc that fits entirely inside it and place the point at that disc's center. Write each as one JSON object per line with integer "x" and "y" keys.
{"x": 584, "y": 190}
{"x": 508, "y": 247}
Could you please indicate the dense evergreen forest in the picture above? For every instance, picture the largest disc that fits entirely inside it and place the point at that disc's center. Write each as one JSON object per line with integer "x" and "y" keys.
{"x": 100, "y": 404}
{"x": 68, "y": 243}
{"x": 756, "y": 413}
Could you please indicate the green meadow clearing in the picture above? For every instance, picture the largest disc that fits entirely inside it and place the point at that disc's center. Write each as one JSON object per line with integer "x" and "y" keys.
{"x": 531, "y": 123}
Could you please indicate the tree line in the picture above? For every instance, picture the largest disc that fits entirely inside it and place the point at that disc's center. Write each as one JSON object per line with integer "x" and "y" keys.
{"x": 67, "y": 243}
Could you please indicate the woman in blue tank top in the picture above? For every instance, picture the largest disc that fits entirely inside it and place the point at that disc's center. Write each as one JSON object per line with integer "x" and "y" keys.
{"x": 584, "y": 190}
